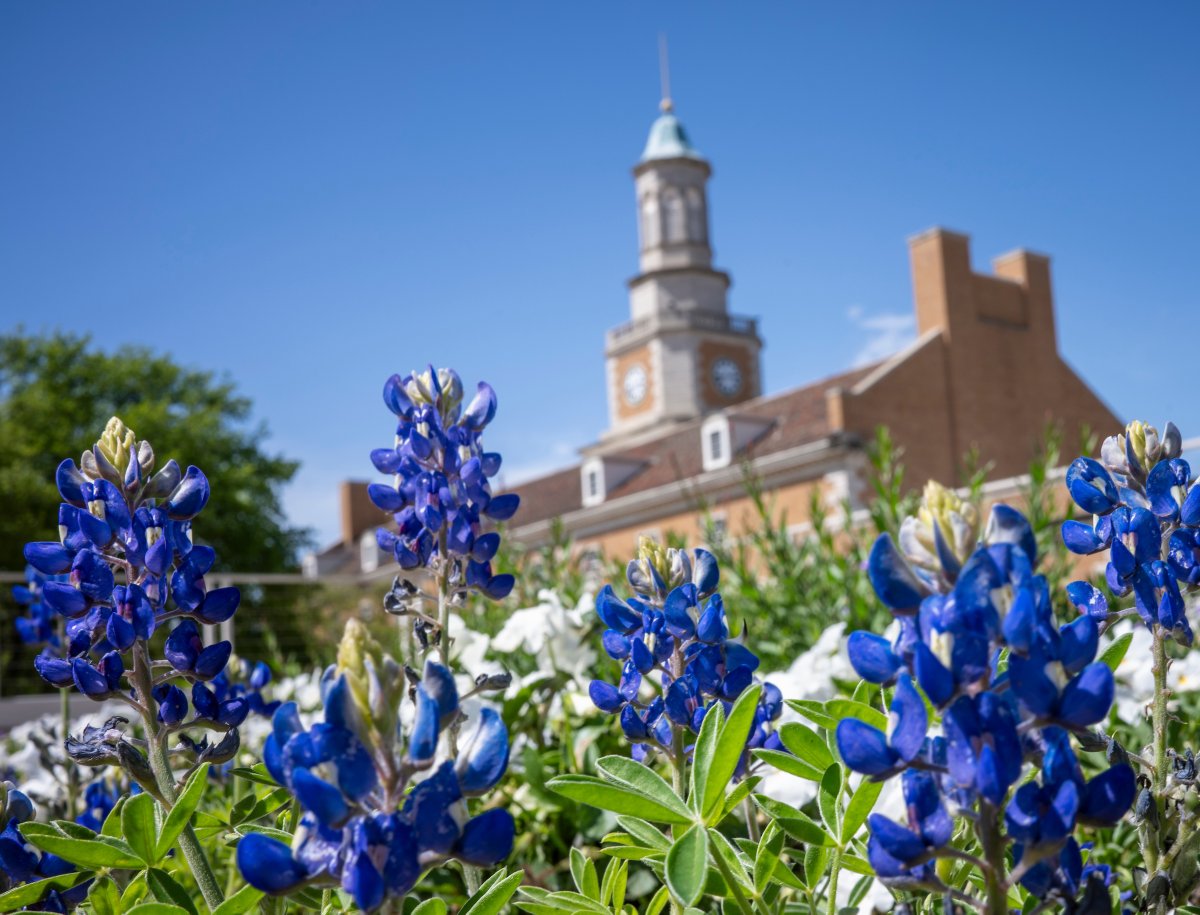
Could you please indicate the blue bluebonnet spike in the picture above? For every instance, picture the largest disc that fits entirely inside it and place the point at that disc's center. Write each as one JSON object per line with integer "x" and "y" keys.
{"x": 189, "y": 497}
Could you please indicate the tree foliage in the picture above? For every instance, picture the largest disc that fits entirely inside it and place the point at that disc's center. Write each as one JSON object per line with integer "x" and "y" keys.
{"x": 58, "y": 390}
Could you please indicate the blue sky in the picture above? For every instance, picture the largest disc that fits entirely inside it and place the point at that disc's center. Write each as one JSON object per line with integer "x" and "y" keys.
{"x": 310, "y": 196}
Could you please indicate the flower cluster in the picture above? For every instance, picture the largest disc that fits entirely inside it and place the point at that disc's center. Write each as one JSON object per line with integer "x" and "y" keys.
{"x": 967, "y": 605}
{"x": 125, "y": 566}
{"x": 1146, "y": 514}
{"x": 1145, "y": 508}
{"x": 441, "y": 496}
{"x": 676, "y": 627}
{"x": 381, "y": 808}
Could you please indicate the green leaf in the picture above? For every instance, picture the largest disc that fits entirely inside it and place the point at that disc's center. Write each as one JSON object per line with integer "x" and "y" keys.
{"x": 814, "y": 712}
{"x": 856, "y": 865}
{"x": 659, "y": 902}
{"x": 103, "y": 898}
{"x": 687, "y": 864}
{"x": 729, "y": 748}
{"x": 181, "y": 813}
{"x": 596, "y": 792}
{"x": 29, "y": 893}
{"x": 490, "y": 898}
{"x": 702, "y": 756}
{"x": 428, "y": 907}
{"x": 92, "y": 852}
{"x": 240, "y": 902}
{"x": 135, "y": 891}
{"x": 256, "y": 773}
{"x": 140, "y": 828}
{"x": 815, "y": 859}
{"x": 156, "y": 908}
{"x": 167, "y": 889}
{"x": 767, "y": 858}
{"x": 721, "y": 847}
{"x": 632, "y": 774}
{"x": 1114, "y": 654}
{"x": 806, "y": 745}
{"x": 583, "y": 872}
{"x": 840, "y": 709}
{"x": 861, "y": 804}
{"x": 786, "y": 762}
{"x": 792, "y": 821}
{"x": 644, "y": 832}
{"x": 740, "y": 793}
{"x": 828, "y": 799}
{"x": 112, "y": 823}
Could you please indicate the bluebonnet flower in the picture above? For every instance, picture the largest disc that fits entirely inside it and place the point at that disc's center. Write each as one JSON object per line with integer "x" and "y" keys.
{"x": 381, "y": 806}
{"x": 21, "y": 862}
{"x": 440, "y": 497}
{"x": 39, "y": 624}
{"x": 966, "y": 600}
{"x": 123, "y": 569}
{"x": 676, "y": 628}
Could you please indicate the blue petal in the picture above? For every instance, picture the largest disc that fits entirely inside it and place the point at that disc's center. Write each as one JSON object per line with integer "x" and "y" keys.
{"x": 605, "y": 696}
{"x": 1079, "y": 641}
{"x": 422, "y": 745}
{"x": 1091, "y": 486}
{"x": 48, "y": 558}
{"x": 908, "y": 720}
{"x": 1089, "y": 599}
{"x": 189, "y": 497}
{"x": 1007, "y": 525}
{"x": 894, "y": 581}
{"x": 706, "y": 573}
{"x": 439, "y": 683}
{"x": 872, "y": 657}
{"x": 385, "y": 497}
{"x": 484, "y": 757}
{"x": 268, "y": 865}
{"x": 1108, "y": 796}
{"x": 487, "y": 839}
{"x": 503, "y": 507}
{"x": 1080, "y": 538}
{"x": 864, "y": 748}
{"x": 317, "y": 795}
{"x": 1032, "y": 684}
{"x": 615, "y": 613}
{"x": 219, "y": 605}
{"x": 1087, "y": 699}
{"x": 362, "y": 880}
{"x": 677, "y": 609}
{"x": 898, "y": 841}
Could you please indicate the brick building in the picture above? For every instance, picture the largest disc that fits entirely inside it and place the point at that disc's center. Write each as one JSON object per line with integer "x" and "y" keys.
{"x": 687, "y": 411}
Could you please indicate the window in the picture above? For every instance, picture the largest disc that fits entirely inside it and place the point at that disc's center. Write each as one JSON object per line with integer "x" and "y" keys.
{"x": 593, "y": 484}
{"x": 714, "y": 445}
{"x": 676, "y": 215}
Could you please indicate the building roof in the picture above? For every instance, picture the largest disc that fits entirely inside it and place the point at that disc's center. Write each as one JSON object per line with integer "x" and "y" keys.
{"x": 668, "y": 140}
{"x": 797, "y": 417}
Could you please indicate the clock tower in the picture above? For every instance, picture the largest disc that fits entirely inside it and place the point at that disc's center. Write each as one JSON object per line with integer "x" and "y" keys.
{"x": 683, "y": 354}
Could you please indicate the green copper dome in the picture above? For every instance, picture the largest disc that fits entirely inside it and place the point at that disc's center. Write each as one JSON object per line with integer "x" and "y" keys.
{"x": 668, "y": 140}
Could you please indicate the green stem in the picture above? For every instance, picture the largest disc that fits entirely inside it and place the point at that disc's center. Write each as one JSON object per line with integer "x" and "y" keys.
{"x": 165, "y": 778}
{"x": 1150, "y": 839}
{"x": 835, "y": 871}
{"x": 731, "y": 881}
{"x": 72, "y": 769}
{"x": 991, "y": 841}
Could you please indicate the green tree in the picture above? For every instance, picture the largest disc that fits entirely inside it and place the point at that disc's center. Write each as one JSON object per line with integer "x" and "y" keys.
{"x": 56, "y": 393}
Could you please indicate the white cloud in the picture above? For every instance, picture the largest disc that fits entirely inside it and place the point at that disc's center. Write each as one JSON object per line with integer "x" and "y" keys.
{"x": 885, "y": 333}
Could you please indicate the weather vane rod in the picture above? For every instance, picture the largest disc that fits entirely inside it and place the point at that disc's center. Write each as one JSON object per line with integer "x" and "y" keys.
{"x": 664, "y": 72}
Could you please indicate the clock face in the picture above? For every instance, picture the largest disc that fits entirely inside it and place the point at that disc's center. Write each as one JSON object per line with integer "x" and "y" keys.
{"x": 634, "y": 385}
{"x": 726, "y": 376}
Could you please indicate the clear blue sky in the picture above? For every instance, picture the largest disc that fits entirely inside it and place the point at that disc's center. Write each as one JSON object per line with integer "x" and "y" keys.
{"x": 310, "y": 196}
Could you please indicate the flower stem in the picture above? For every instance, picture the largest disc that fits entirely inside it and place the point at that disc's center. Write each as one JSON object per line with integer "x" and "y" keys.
{"x": 1150, "y": 840}
{"x": 992, "y": 842}
{"x": 72, "y": 769}
{"x": 165, "y": 778}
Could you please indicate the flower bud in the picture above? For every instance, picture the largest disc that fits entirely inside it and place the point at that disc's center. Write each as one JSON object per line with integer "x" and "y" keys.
{"x": 114, "y": 446}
